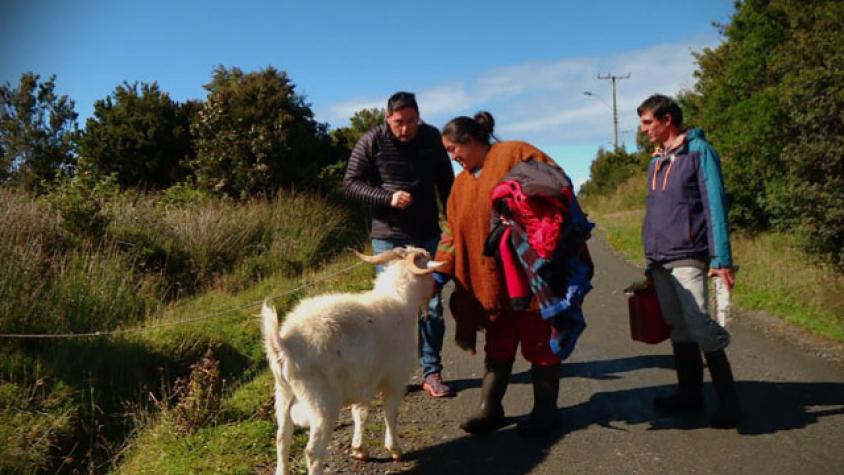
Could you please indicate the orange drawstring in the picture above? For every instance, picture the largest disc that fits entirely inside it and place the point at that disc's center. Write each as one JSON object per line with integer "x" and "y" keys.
{"x": 656, "y": 172}
{"x": 667, "y": 174}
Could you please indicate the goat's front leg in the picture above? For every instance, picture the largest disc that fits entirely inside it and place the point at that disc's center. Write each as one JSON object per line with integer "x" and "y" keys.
{"x": 284, "y": 435}
{"x": 392, "y": 398}
{"x": 359, "y": 414}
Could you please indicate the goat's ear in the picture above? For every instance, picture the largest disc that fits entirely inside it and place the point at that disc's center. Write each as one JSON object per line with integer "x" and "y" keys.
{"x": 434, "y": 264}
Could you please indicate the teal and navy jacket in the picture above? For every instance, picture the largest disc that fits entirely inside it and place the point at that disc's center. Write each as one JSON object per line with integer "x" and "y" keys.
{"x": 686, "y": 215}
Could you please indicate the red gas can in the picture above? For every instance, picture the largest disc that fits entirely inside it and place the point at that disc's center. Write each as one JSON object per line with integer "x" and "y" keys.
{"x": 646, "y": 322}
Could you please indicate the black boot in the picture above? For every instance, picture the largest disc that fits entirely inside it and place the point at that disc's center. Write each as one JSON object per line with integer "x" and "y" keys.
{"x": 689, "y": 394}
{"x": 490, "y": 413}
{"x": 728, "y": 414}
{"x": 546, "y": 386}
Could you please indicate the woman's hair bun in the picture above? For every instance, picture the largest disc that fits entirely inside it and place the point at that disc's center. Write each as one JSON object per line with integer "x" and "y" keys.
{"x": 485, "y": 120}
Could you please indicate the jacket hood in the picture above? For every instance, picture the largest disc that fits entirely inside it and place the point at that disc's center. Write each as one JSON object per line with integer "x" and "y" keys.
{"x": 694, "y": 134}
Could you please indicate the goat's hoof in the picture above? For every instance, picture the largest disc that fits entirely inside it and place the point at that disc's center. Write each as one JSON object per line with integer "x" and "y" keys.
{"x": 360, "y": 454}
{"x": 396, "y": 456}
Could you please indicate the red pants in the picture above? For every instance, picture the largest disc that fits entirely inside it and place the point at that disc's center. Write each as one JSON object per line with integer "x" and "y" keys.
{"x": 504, "y": 334}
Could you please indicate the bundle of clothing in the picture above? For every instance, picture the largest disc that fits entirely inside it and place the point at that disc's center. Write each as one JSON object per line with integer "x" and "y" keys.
{"x": 538, "y": 234}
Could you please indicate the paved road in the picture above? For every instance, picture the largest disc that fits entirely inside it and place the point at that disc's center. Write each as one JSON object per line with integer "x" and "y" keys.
{"x": 793, "y": 399}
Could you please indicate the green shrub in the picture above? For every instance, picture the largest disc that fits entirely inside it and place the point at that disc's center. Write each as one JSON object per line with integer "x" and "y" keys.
{"x": 80, "y": 201}
{"x": 140, "y": 136}
{"x": 611, "y": 168}
{"x": 199, "y": 395}
{"x": 183, "y": 194}
{"x": 255, "y": 135}
{"x": 770, "y": 97}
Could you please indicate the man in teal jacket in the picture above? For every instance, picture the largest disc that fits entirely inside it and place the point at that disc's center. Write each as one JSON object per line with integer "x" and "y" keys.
{"x": 686, "y": 239}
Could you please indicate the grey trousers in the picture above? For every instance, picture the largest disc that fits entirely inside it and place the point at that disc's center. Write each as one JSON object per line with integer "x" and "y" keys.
{"x": 682, "y": 293}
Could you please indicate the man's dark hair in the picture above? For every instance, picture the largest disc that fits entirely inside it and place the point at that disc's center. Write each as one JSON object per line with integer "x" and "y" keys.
{"x": 660, "y": 106}
{"x": 400, "y": 100}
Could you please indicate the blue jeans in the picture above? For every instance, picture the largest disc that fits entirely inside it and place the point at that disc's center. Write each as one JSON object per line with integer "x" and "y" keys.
{"x": 431, "y": 329}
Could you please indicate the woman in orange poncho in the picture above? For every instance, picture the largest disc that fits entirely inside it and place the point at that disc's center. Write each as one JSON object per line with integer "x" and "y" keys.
{"x": 480, "y": 300}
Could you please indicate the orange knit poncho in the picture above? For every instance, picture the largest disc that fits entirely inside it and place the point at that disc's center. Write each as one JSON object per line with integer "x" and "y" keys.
{"x": 479, "y": 293}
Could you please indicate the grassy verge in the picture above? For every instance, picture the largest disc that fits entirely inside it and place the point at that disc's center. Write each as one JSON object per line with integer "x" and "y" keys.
{"x": 241, "y": 435}
{"x": 774, "y": 275}
{"x": 149, "y": 263}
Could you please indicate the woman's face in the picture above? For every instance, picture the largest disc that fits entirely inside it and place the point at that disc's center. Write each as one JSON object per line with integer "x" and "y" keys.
{"x": 469, "y": 155}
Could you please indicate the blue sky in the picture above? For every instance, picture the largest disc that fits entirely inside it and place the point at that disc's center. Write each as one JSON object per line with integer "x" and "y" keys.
{"x": 527, "y": 64}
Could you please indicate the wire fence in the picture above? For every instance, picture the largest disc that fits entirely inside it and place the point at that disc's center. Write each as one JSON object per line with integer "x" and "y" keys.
{"x": 155, "y": 326}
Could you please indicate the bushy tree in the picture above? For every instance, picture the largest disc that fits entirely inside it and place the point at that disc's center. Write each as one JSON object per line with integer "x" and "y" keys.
{"x": 610, "y": 168}
{"x": 140, "y": 135}
{"x": 254, "y": 134}
{"x": 771, "y": 98}
{"x": 343, "y": 140}
{"x": 365, "y": 119}
{"x": 735, "y": 100}
{"x": 38, "y": 132}
{"x": 813, "y": 95}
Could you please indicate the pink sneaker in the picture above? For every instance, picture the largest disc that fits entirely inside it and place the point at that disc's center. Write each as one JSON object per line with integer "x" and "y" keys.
{"x": 434, "y": 385}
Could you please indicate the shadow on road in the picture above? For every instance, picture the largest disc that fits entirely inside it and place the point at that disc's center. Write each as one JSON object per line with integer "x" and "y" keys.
{"x": 776, "y": 406}
{"x": 602, "y": 370}
{"x": 768, "y": 407}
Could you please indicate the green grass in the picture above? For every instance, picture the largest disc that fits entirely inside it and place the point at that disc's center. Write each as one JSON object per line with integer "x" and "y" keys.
{"x": 623, "y": 231}
{"x": 225, "y": 448}
{"x": 774, "y": 275}
{"x": 33, "y": 425}
{"x": 243, "y": 437}
{"x": 619, "y": 216}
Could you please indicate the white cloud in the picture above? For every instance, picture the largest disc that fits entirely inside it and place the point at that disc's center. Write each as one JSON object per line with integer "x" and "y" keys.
{"x": 433, "y": 102}
{"x": 531, "y": 77}
{"x": 543, "y": 102}
{"x": 443, "y": 99}
{"x": 342, "y": 111}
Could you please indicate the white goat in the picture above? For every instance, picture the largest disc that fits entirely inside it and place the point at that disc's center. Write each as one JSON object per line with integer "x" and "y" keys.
{"x": 340, "y": 349}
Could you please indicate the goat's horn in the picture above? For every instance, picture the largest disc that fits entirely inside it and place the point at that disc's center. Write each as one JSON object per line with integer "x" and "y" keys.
{"x": 414, "y": 268}
{"x": 377, "y": 259}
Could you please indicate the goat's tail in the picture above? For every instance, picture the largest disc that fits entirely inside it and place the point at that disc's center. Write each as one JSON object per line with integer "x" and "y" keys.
{"x": 275, "y": 356}
{"x": 272, "y": 340}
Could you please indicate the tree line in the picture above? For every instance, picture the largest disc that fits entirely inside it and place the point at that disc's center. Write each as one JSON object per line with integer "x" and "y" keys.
{"x": 252, "y": 135}
{"x": 770, "y": 98}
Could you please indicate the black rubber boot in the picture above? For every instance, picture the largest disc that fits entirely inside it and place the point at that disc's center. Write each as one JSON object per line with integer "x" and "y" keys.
{"x": 546, "y": 387}
{"x": 689, "y": 394}
{"x": 728, "y": 413}
{"x": 490, "y": 413}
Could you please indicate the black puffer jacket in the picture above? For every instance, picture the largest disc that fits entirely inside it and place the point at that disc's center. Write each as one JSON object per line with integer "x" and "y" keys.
{"x": 380, "y": 165}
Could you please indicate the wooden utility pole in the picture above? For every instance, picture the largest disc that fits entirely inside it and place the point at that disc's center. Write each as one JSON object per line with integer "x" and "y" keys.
{"x": 614, "y": 109}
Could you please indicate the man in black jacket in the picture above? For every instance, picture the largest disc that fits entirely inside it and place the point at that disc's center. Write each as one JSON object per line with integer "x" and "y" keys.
{"x": 399, "y": 168}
